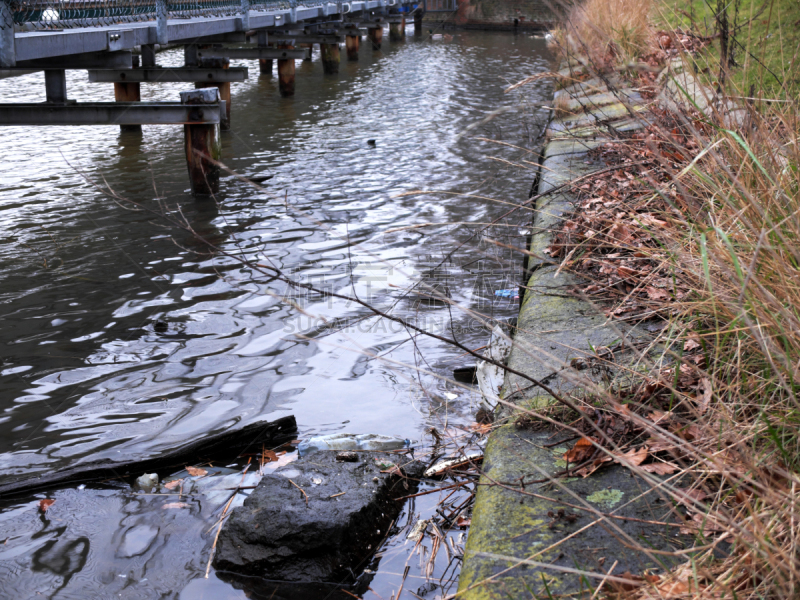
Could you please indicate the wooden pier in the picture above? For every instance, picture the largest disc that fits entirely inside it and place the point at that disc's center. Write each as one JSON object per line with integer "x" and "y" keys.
{"x": 72, "y": 35}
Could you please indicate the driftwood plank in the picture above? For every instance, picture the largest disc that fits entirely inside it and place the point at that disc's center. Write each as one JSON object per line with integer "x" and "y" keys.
{"x": 226, "y": 445}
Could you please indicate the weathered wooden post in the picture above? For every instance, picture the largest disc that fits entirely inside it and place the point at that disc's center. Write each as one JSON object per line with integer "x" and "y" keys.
{"x": 417, "y": 23}
{"x": 394, "y": 32}
{"x": 129, "y": 92}
{"x": 310, "y": 49}
{"x": 403, "y": 26}
{"x": 286, "y": 72}
{"x": 330, "y": 58}
{"x": 264, "y": 64}
{"x": 375, "y": 35}
{"x": 223, "y": 87}
{"x": 203, "y": 145}
{"x": 55, "y": 85}
{"x": 352, "y": 42}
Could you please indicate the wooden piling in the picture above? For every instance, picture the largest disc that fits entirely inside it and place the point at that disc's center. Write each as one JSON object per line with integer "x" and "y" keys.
{"x": 418, "y": 23}
{"x": 224, "y": 94}
{"x": 264, "y": 64}
{"x": 394, "y": 32}
{"x": 203, "y": 145}
{"x": 403, "y": 27}
{"x": 376, "y": 37}
{"x": 128, "y": 92}
{"x": 286, "y": 73}
{"x": 223, "y": 87}
{"x": 330, "y": 58}
{"x": 310, "y": 50}
{"x": 352, "y": 42}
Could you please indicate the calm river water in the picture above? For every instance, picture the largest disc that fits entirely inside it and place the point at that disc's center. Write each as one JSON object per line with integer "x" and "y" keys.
{"x": 86, "y": 373}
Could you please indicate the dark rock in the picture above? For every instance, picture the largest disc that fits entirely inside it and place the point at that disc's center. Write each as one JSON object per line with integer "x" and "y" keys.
{"x": 328, "y": 534}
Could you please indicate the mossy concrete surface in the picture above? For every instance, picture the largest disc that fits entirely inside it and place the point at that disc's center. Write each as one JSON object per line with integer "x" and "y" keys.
{"x": 556, "y": 342}
{"x": 509, "y": 526}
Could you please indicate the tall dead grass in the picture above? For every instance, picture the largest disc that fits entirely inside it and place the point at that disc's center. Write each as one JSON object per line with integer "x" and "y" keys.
{"x": 609, "y": 30}
{"x": 735, "y": 244}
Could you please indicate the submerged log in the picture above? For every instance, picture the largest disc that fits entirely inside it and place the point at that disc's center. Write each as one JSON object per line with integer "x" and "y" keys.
{"x": 223, "y": 446}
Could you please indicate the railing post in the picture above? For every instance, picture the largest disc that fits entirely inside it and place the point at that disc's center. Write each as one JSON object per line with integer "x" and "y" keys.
{"x": 292, "y": 11}
{"x": 245, "y": 15}
{"x": 162, "y": 13}
{"x": 203, "y": 147}
{"x": 7, "y": 54}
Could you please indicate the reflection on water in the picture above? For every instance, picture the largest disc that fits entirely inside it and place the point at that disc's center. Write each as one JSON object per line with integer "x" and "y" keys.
{"x": 88, "y": 373}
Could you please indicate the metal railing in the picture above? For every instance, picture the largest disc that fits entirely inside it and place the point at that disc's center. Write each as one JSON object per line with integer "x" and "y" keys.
{"x": 72, "y": 14}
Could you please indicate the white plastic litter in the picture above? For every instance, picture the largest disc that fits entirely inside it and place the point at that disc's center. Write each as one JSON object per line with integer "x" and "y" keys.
{"x": 490, "y": 377}
{"x": 452, "y": 463}
{"x": 147, "y": 482}
{"x": 349, "y": 441}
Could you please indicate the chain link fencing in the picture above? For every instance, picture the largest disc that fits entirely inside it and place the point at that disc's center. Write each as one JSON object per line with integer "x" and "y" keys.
{"x": 73, "y": 14}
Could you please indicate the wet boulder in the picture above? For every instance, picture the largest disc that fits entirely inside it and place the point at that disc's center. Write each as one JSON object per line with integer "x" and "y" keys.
{"x": 317, "y": 519}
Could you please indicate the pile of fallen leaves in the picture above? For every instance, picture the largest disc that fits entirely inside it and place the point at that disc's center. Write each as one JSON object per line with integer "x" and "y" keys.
{"x": 615, "y": 237}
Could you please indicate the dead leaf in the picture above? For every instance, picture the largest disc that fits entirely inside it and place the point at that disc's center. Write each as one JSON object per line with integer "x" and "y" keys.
{"x": 626, "y": 272}
{"x": 700, "y": 522}
{"x": 45, "y": 504}
{"x": 656, "y": 293}
{"x": 621, "y": 232}
{"x": 176, "y": 505}
{"x": 173, "y": 484}
{"x": 269, "y": 456}
{"x": 393, "y": 470}
{"x": 685, "y": 496}
{"x": 660, "y": 468}
{"x": 635, "y": 457}
{"x": 692, "y": 343}
{"x": 481, "y": 429}
{"x": 463, "y": 522}
{"x": 196, "y": 471}
{"x": 580, "y": 452}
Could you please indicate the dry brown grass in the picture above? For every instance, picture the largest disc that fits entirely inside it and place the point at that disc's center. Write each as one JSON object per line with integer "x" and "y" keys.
{"x": 615, "y": 30}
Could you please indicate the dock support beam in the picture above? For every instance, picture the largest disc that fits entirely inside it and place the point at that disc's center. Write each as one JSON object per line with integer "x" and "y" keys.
{"x": 264, "y": 64}
{"x": 310, "y": 50}
{"x": 397, "y": 31}
{"x": 330, "y": 58}
{"x": 418, "y": 23}
{"x": 286, "y": 73}
{"x": 203, "y": 147}
{"x": 55, "y": 85}
{"x": 375, "y": 35}
{"x": 128, "y": 92}
{"x": 352, "y": 42}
